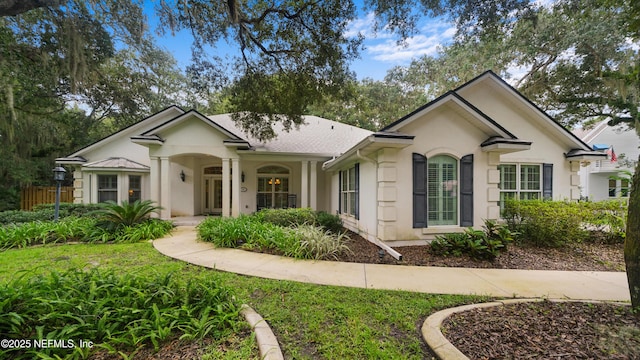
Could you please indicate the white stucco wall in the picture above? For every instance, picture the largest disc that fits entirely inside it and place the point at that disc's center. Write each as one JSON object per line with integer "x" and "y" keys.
{"x": 442, "y": 132}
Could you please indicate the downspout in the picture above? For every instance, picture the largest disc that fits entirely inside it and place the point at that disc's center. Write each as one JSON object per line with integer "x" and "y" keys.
{"x": 368, "y": 159}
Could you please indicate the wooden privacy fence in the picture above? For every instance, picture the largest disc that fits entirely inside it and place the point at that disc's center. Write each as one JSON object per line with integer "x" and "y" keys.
{"x": 35, "y": 195}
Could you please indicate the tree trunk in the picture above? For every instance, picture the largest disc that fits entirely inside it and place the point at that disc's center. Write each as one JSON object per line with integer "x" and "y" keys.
{"x": 632, "y": 240}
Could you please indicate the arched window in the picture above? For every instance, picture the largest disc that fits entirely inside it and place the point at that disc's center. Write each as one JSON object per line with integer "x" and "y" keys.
{"x": 442, "y": 190}
{"x": 273, "y": 187}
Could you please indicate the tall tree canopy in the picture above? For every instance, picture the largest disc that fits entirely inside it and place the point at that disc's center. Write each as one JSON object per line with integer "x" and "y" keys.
{"x": 294, "y": 54}
{"x": 70, "y": 74}
{"x": 573, "y": 59}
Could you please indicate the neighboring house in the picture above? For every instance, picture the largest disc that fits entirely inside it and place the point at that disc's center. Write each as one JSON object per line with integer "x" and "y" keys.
{"x": 446, "y": 166}
{"x": 605, "y": 179}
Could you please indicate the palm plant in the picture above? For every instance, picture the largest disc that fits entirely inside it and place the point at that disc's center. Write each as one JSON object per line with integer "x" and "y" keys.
{"x": 113, "y": 215}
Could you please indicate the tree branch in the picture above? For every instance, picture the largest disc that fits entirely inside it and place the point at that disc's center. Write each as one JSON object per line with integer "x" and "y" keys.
{"x": 17, "y": 7}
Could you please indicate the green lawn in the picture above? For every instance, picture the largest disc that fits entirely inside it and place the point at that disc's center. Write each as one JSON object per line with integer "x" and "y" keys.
{"x": 310, "y": 321}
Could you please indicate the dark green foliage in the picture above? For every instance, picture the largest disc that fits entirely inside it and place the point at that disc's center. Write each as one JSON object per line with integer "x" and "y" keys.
{"x": 70, "y": 209}
{"x": 44, "y": 212}
{"x": 329, "y": 222}
{"x": 301, "y": 216}
{"x": 116, "y": 311}
{"x": 295, "y": 238}
{"x": 234, "y": 232}
{"x": 82, "y": 229}
{"x": 287, "y": 217}
{"x": 483, "y": 244}
{"x": 112, "y": 215}
{"x": 559, "y": 223}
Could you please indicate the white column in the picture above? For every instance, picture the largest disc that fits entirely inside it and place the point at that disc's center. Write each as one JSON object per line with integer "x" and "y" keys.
{"x": 154, "y": 180}
{"x": 165, "y": 188}
{"x": 304, "y": 185}
{"x": 313, "y": 190}
{"x": 226, "y": 199}
{"x": 235, "y": 188}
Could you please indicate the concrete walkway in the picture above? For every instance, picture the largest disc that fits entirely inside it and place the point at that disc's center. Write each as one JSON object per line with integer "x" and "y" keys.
{"x": 577, "y": 285}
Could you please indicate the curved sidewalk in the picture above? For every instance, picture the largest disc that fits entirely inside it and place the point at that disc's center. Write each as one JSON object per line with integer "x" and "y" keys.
{"x": 578, "y": 285}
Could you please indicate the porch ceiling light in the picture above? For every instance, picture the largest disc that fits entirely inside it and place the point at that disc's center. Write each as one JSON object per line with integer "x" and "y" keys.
{"x": 182, "y": 175}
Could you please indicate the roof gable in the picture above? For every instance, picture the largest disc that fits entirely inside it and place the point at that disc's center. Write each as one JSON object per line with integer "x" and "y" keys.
{"x": 189, "y": 115}
{"x": 170, "y": 112}
{"x": 457, "y": 102}
{"x": 496, "y": 83}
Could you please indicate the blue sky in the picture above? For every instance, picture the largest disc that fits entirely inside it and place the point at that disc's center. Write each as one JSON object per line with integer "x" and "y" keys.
{"x": 381, "y": 52}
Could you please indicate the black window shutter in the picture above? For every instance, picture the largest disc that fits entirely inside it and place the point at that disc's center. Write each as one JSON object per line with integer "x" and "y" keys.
{"x": 357, "y": 191}
{"x": 419, "y": 191}
{"x": 339, "y": 192}
{"x": 466, "y": 190}
{"x": 547, "y": 181}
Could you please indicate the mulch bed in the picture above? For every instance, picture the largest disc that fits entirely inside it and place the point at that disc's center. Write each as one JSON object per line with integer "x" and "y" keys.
{"x": 580, "y": 257}
{"x": 542, "y": 330}
{"x": 546, "y": 330}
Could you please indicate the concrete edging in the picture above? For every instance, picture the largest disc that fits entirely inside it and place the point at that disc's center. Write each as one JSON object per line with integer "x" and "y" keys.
{"x": 445, "y": 350}
{"x": 267, "y": 341}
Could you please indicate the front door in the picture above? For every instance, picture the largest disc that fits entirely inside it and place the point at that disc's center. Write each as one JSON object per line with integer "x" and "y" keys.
{"x": 212, "y": 202}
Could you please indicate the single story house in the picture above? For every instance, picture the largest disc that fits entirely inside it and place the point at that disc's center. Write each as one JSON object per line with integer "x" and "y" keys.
{"x": 443, "y": 167}
{"x": 601, "y": 179}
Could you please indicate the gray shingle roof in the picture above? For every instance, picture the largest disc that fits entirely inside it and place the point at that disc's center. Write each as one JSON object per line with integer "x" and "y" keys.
{"x": 316, "y": 136}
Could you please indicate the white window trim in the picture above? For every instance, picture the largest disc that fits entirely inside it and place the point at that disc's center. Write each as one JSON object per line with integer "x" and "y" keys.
{"x": 456, "y": 196}
{"x": 518, "y": 190}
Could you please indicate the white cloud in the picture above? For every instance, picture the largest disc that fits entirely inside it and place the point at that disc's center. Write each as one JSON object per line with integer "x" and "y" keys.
{"x": 365, "y": 27}
{"x": 433, "y": 35}
{"x": 415, "y": 46}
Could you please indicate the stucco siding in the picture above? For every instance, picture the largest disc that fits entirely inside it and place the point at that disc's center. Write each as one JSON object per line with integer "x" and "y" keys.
{"x": 442, "y": 132}
{"x": 193, "y": 136}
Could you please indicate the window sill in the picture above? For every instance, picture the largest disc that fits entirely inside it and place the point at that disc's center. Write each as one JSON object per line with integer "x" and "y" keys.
{"x": 440, "y": 229}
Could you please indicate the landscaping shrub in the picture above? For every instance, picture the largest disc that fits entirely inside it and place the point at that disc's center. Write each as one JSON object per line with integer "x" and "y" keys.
{"x": 483, "y": 244}
{"x": 119, "y": 312}
{"x": 45, "y": 212}
{"x": 83, "y": 229}
{"x": 329, "y": 222}
{"x": 608, "y": 218}
{"x": 559, "y": 223}
{"x": 288, "y": 217}
{"x": 71, "y": 209}
{"x": 112, "y": 215}
{"x": 318, "y": 244}
{"x": 233, "y": 232}
{"x": 305, "y": 241}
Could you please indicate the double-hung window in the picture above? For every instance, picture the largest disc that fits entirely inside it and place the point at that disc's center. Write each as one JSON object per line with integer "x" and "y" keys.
{"x": 107, "y": 188}
{"x": 349, "y": 191}
{"x": 135, "y": 188}
{"x": 520, "y": 181}
{"x": 618, "y": 188}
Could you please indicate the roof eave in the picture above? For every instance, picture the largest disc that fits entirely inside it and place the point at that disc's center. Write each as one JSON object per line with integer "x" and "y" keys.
{"x": 504, "y": 146}
{"x": 147, "y": 140}
{"x": 370, "y": 144}
{"x": 75, "y": 160}
{"x": 582, "y": 155}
